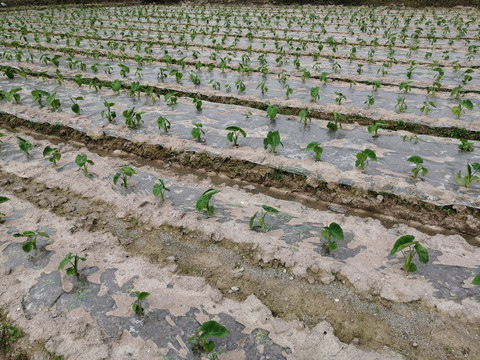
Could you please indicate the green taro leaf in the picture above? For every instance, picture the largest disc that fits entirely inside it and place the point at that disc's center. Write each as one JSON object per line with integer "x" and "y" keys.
{"x": 3, "y": 199}
{"x": 27, "y": 246}
{"x": 403, "y": 242}
{"x": 65, "y": 261}
{"x": 476, "y": 280}
{"x": 336, "y": 231}
{"x": 270, "y": 209}
{"x": 209, "y": 346}
{"x": 128, "y": 171}
{"x": 236, "y": 128}
{"x": 212, "y": 328}
{"x": 422, "y": 253}
{"x": 252, "y": 219}
{"x": 142, "y": 295}
{"x": 415, "y": 159}
{"x": 467, "y": 104}
{"x": 311, "y": 146}
{"x": 412, "y": 268}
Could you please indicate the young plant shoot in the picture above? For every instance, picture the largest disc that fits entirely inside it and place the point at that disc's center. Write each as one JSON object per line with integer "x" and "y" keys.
{"x": 203, "y": 201}
{"x": 208, "y": 329}
{"x": 316, "y": 148}
{"x": 75, "y": 107}
{"x": 108, "y": 113}
{"x": 332, "y": 231}
{"x": 82, "y": 161}
{"x": 337, "y": 120}
{"x": 137, "y": 305}
{"x": 260, "y": 216}
{"x": 31, "y": 236}
{"x": 234, "y": 133}
{"x": 363, "y": 156}
{"x": 409, "y": 247}
{"x": 418, "y": 161}
{"x": 197, "y": 131}
{"x": 272, "y": 140}
{"x": 133, "y": 118}
{"x": 72, "y": 260}
{"x": 24, "y": 145}
{"x": 159, "y": 189}
{"x": 53, "y": 153}
{"x": 123, "y": 174}
{"x": 472, "y": 169}
{"x": 163, "y": 124}
{"x": 272, "y": 111}
{"x": 374, "y": 127}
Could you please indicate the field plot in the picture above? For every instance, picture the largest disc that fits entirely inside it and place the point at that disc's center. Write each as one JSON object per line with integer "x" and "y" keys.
{"x": 183, "y": 182}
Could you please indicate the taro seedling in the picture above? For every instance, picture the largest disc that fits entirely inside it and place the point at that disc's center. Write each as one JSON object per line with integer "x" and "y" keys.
{"x": 263, "y": 87}
{"x": 170, "y": 98}
{"x": 370, "y": 101}
{"x": 135, "y": 88}
{"x": 195, "y": 79}
{"x": 1, "y": 135}
{"x": 2, "y": 200}
{"x": 52, "y": 101}
{"x": 163, "y": 124}
{"x": 234, "y": 133}
{"x": 82, "y": 161}
{"x": 401, "y": 104}
{"x": 159, "y": 189}
{"x": 315, "y": 93}
{"x": 240, "y": 85}
{"x": 260, "y": 216}
{"x": 53, "y": 153}
{"x": 203, "y": 201}
{"x": 38, "y": 94}
{"x": 472, "y": 169}
{"x": 374, "y": 127}
{"x": 132, "y": 117}
{"x": 123, "y": 174}
{"x": 108, "y": 113}
{"x": 272, "y": 140}
{"x": 73, "y": 261}
{"x": 288, "y": 92}
{"x": 459, "y": 109}
{"x": 31, "y": 236}
{"x": 208, "y": 329}
{"x": 198, "y": 104}
{"x": 11, "y": 95}
{"x": 124, "y": 70}
{"x": 303, "y": 114}
{"x": 137, "y": 305}
{"x": 24, "y": 145}
{"x": 272, "y": 111}
{"x": 197, "y": 131}
{"x": 363, "y": 156}
{"x": 418, "y": 161}
{"x": 116, "y": 85}
{"x": 409, "y": 247}
{"x": 340, "y": 97}
{"x": 427, "y": 107}
{"x": 405, "y": 86}
{"x": 337, "y": 118}
{"x": 332, "y": 231}
{"x": 75, "y": 106}
{"x": 465, "y": 145}
{"x": 316, "y": 148}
